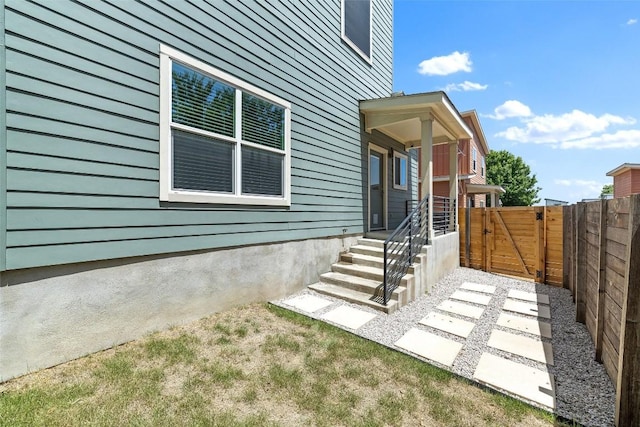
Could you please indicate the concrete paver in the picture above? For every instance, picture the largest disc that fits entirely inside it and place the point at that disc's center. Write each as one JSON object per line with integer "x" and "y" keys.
{"x": 529, "y": 383}
{"x": 522, "y": 346}
{"x": 449, "y": 324}
{"x": 430, "y": 346}
{"x": 308, "y": 303}
{"x": 461, "y": 309}
{"x": 531, "y": 326}
{"x": 529, "y": 296}
{"x": 472, "y": 297}
{"x": 348, "y": 317}
{"x": 527, "y": 308}
{"x": 485, "y": 289}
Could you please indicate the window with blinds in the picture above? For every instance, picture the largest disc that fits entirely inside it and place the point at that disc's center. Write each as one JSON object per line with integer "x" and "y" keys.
{"x": 222, "y": 140}
{"x": 356, "y": 26}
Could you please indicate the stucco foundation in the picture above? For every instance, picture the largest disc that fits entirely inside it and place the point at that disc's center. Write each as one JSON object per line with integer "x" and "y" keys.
{"x": 442, "y": 256}
{"x": 51, "y": 315}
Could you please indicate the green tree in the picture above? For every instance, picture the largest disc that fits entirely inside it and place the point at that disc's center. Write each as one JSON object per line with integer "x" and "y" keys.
{"x": 606, "y": 189}
{"x": 514, "y": 175}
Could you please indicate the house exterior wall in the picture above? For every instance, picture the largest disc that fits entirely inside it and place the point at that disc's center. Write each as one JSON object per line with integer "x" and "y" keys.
{"x": 83, "y": 123}
{"x": 622, "y": 184}
{"x": 93, "y": 258}
{"x": 626, "y": 183}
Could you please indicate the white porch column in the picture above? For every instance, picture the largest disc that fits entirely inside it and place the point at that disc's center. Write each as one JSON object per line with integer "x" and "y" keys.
{"x": 453, "y": 182}
{"x": 426, "y": 148}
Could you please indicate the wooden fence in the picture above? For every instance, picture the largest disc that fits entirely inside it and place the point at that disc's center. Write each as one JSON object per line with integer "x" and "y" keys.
{"x": 602, "y": 270}
{"x": 518, "y": 241}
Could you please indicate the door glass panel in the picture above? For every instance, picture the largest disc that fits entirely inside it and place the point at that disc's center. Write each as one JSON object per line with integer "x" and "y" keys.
{"x": 375, "y": 170}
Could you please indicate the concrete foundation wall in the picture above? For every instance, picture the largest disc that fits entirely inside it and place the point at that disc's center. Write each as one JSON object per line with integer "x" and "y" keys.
{"x": 50, "y": 315}
{"x": 442, "y": 256}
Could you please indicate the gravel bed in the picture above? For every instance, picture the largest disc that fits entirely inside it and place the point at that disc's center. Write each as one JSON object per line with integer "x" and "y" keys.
{"x": 584, "y": 392}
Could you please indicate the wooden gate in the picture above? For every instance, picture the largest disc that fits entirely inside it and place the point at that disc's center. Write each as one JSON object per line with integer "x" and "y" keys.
{"x": 519, "y": 241}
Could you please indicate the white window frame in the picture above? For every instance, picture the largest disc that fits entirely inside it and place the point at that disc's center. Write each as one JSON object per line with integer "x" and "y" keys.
{"x": 398, "y": 155}
{"x": 167, "y": 192}
{"x": 483, "y": 167}
{"x": 474, "y": 158}
{"x": 351, "y": 44}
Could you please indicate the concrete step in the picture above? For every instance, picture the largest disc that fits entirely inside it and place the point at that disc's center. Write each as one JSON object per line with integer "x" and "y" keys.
{"x": 375, "y": 243}
{"x": 368, "y": 260}
{"x": 354, "y": 296}
{"x": 372, "y": 251}
{"x": 361, "y": 284}
{"x": 367, "y": 272}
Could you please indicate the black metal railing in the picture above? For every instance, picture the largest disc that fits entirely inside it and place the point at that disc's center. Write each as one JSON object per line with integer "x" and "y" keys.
{"x": 401, "y": 248}
{"x": 444, "y": 215}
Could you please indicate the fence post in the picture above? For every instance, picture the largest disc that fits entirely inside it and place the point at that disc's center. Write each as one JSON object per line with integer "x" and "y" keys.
{"x": 567, "y": 234}
{"x": 540, "y": 236}
{"x": 602, "y": 234}
{"x": 581, "y": 262}
{"x": 467, "y": 236}
{"x": 628, "y": 386}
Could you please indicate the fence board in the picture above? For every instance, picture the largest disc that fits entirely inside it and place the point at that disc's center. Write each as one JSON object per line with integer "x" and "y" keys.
{"x": 628, "y": 384}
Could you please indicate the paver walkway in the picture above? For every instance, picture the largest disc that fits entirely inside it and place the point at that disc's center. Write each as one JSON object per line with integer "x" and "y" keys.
{"x": 440, "y": 336}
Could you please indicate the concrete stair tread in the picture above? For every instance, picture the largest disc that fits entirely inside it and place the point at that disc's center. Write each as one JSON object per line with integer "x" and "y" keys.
{"x": 342, "y": 277}
{"x": 357, "y": 268}
{"x": 360, "y": 284}
{"x": 365, "y": 272}
{"x": 353, "y": 296}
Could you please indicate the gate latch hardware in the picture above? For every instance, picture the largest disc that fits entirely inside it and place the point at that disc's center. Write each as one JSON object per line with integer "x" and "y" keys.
{"x": 538, "y": 274}
{"x": 539, "y": 216}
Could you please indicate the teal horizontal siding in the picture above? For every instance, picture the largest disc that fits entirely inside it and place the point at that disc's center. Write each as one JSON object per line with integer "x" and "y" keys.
{"x": 24, "y": 257}
{"x": 58, "y": 219}
{"x": 82, "y": 123}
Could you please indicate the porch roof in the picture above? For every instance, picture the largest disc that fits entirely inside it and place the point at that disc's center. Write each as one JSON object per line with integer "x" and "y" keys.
{"x": 623, "y": 168}
{"x": 484, "y": 189}
{"x": 400, "y": 118}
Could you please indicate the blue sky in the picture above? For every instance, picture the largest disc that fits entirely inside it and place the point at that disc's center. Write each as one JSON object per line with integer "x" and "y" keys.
{"x": 557, "y": 83}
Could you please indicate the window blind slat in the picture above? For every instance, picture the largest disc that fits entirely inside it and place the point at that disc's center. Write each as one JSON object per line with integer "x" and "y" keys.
{"x": 262, "y": 122}
{"x": 201, "y": 163}
{"x": 202, "y": 102}
{"x": 262, "y": 172}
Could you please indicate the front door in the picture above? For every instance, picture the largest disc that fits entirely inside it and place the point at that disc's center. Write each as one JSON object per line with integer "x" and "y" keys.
{"x": 376, "y": 190}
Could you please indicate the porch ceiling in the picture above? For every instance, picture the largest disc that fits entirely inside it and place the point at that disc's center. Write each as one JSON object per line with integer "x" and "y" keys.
{"x": 400, "y": 118}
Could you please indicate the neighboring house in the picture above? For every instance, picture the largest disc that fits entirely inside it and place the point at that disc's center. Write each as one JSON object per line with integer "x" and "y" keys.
{"x": 626, "y": 179}
{"x": 554, "y": 202}
{"x": 472, "y": 170}
{"x": 167, "y": 160}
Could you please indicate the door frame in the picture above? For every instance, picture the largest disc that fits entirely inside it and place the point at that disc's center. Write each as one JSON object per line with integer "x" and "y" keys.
{"x": 385, "y": 193}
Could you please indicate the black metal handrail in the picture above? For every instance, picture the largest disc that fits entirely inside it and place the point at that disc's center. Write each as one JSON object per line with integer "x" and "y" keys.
{"x": 444, "y": 215}
{"x": 401, "y": 248}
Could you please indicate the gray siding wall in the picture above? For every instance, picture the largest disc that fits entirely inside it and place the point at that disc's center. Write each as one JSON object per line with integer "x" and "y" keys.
{"x": 82, "y": 122}
{"x": 396, "y": 199}
{"x": 3, "y": 145}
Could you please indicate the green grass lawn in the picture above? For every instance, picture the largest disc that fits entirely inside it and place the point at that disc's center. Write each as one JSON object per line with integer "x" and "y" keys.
{"x": 256, "y": 365}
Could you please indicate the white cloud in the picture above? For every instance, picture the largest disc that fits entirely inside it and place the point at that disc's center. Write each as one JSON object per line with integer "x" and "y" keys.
{"x": 511, "y": 108}
{"x": 580, "y": 188}
{"x": 564, "y": 129}
{"x": 445, "y": 65}
{"x": 465, "y": 86}
{"x": 619, "y": 139}
{"x": 632, "y": 21}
